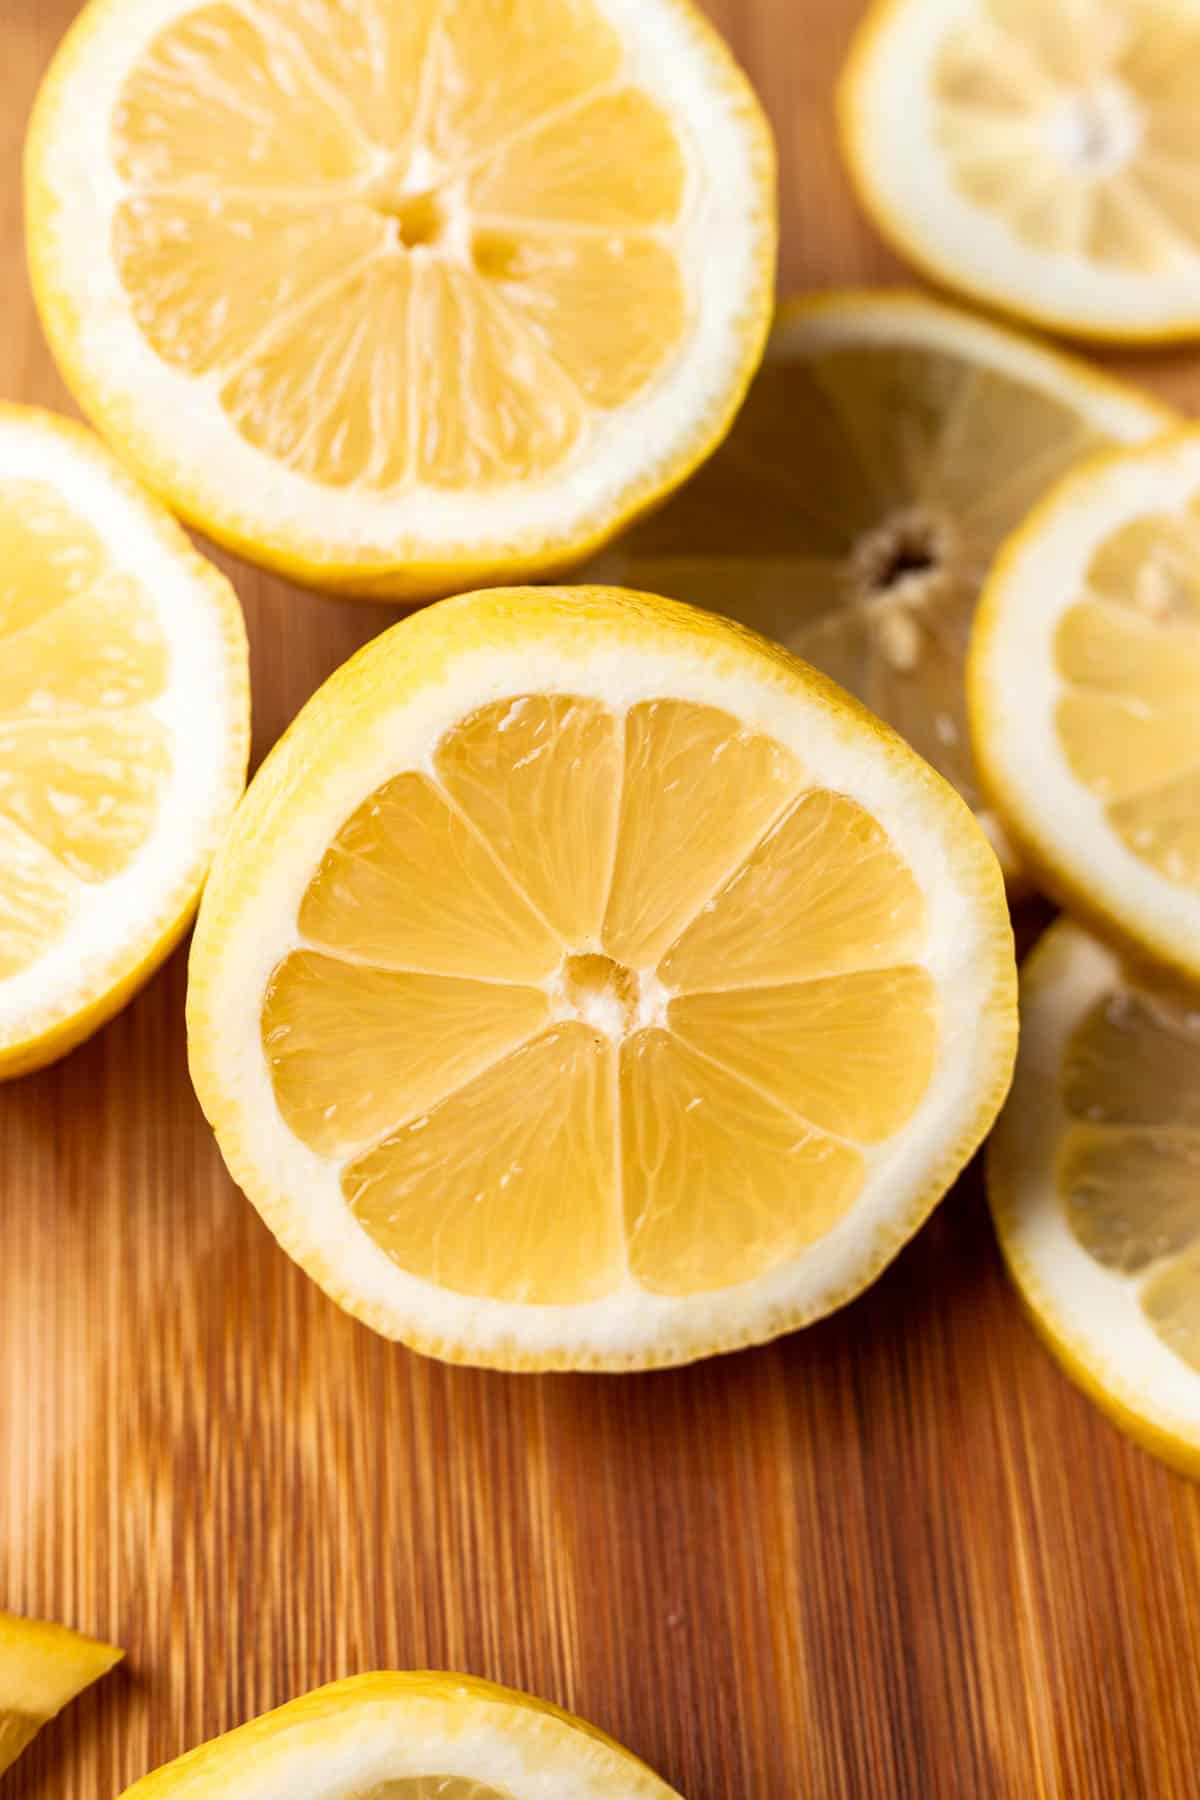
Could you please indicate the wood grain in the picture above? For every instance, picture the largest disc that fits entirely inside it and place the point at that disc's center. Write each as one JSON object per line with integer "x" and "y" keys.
{"x": 897, "y": 1555}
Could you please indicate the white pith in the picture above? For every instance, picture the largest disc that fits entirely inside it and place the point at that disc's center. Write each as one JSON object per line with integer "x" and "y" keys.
{"x": 173, "y": 424}
{"x": 201, "y": 707}
{"x": 1095, "y": 1312}
{"x": 367, "y": 1742}
{"x": 891, "y": 118}
{"x": 307, "y": 1207}
{"x": 1015, "y": 687}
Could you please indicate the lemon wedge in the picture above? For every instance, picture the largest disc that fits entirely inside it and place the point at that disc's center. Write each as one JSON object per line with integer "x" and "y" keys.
{"x": 42, "y": 1669}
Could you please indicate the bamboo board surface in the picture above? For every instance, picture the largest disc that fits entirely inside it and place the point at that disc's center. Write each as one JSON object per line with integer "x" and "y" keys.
{"x": 897, "y": 1555}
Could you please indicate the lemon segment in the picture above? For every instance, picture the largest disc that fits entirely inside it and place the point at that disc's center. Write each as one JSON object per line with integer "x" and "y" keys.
{"x": 123, "y": 733}
{"x": 42, "y": 1669}
{"x": 1037, "y": 154}
{"x": 408, "y": 1737}
{"x": 551, "y": 894}
{"x": 392, "y": 292}
{"x": 1092, "y": 1176}
{"x": 1085, "y": 695}
{"x": 885, "y": 450}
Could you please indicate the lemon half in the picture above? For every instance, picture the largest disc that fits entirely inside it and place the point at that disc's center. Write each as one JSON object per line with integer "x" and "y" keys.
{"x": 394, "y": 295}
{"x": 124, "y": 733}
{"x": 410, "y": 1736}
{"x": 586, "y": 982}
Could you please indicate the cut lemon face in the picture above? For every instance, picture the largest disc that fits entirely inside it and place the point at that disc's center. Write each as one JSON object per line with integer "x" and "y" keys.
{"x": 1085, "y": 696}
{"x": 408, "y": 1737}
{"x": 1038, "y": 154}
{"x": 1092, "y": 1175}
{"x": 586, "y": 983}
{"x": 124, "y": 730}
{"x": 886, "y": 448}
{"x": 396, "y": 294}
{"x": 42, "y": 1669}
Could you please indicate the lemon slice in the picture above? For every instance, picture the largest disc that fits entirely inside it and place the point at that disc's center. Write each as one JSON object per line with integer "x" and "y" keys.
{"x": 124, "y": 725}
{"x": 42, "y": 1669}
{"x": 394, "y": 295}
{"x": 1092, "y": 1176}
{"x": 409, "y": 1737}
{"x": 1038, "y": 154}
{"x": 1084, "y": 681}
{"x": 585, "y": 982}
{"x": 886, "y": 448}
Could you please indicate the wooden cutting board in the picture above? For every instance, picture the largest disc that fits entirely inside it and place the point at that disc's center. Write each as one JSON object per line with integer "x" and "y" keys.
{"x": 897, "y": 1555}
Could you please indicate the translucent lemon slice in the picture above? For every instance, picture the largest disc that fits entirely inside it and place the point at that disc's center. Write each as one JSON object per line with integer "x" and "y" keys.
{"x": 887, "y": 447}
{"x": 1092, "y": 1173}
{"x": 1038, "y": 154}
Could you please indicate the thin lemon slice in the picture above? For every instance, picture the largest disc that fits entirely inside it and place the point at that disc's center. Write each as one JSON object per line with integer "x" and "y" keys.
{"x": 124, "y": 730}
{"x": 1094, "y": 1178}
{"x": 1084, "y": 684}
{"x": 394, "y": 295}
{"x": 886, "y": 448}
{"x": 417, "y": 1736}
{"x": 586, "y": 982}
{"x": 1040, "y": 155}
{"x": 42, "y": 1669}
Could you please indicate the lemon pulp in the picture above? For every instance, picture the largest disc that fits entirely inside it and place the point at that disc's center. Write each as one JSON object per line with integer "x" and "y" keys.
{"x": 1128, "y": 1169}
{"x": 636, "y": 959}
{"x": 1076, "y": 126}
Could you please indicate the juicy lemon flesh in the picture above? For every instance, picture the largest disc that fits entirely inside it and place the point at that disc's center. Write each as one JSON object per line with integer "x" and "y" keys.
{"x": 1076, "y": 126}
{"x": 83, "y": 759}
{"x": 1128, "y": 1169}
{"x": 602, "y": 1000}
{"x": 852, "y": 514}
{"x": 1128, "y": 653}
{"x": 406, "y": 243}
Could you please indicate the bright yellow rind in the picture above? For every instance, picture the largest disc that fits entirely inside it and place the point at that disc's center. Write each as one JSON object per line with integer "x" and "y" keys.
{"x": 420, "y": 653}
{"x": 209, "y": 1770}
{"x": 1067, "y": 1349}
{"x": 1124, "y": 931}
{"x": 849, "y": 113}
{"x": 410, "y": 572}
{"x": 51, "y": 1037}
